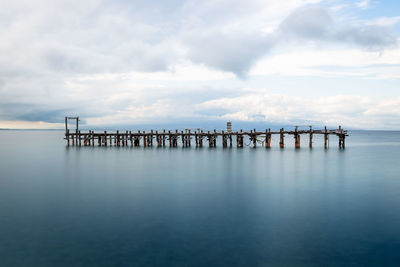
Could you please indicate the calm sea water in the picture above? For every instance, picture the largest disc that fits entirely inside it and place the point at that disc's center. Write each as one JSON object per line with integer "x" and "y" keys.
{"x": 108, "y": 206}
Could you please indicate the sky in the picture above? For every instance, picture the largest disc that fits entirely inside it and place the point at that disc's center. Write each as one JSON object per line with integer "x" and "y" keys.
{"x": 171, "y": 62}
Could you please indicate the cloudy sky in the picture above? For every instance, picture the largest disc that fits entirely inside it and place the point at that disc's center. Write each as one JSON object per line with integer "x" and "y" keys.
{"x": 288, "y": 62}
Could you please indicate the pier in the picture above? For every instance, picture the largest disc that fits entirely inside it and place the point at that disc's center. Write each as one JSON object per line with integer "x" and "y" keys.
{"x": 197, "y": 138}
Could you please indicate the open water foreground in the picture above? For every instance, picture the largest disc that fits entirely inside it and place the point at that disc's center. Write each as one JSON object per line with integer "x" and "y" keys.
{"x": 110, "y": 206}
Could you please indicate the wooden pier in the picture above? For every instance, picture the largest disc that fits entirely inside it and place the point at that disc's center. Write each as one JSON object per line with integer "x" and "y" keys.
{"x": 174, "y": 138}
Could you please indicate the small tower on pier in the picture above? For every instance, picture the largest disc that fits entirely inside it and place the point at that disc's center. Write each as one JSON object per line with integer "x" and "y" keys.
{"x": 229, "y": 127}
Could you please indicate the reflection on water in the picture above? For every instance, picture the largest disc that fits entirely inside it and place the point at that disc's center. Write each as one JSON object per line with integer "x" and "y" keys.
{"x": 104, "y": 206}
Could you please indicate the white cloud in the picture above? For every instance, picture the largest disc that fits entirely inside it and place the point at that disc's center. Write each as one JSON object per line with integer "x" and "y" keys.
{"x": 364, "y": 4}
{"x": 327, "y": 63}
{"x": 383, "y": 21}
{"x": 348, "y": 110}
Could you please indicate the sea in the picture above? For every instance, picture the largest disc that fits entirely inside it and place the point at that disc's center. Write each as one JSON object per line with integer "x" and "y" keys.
{"x": 137, "y": 206}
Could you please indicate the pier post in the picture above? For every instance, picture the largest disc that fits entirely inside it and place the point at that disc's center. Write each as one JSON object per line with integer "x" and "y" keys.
{"x": 268, "y": 138}
{"x": 67, "y": 135}
{"x": 190, "y": 139}
{"x": 201, "y": 139}
{"x": 66, "y": 125}
{"x": 240, "y": 138}
{"x": 137, "y": 139}
{"x": 296, "y": 138}
{"x": 175, "y": 139}
{"x": 215, "y": 138}
{"x": 311, "y": 136}
{"x": 105, "y": 138}
{"x": 281, "y": 141}
{"x": 325, "y": 138}
{"x": 341, "y": 138}
{"x": 92, "y": 138}
{"x": 230, "y": 139}
{"x": 224, "y": 140}
{"x": 150, "y": 138}
{"x": 78, "y": 136}
{"x": 255, "y": 139}
{"x": 118, "y": 139}
{"x": 343, "y": 142}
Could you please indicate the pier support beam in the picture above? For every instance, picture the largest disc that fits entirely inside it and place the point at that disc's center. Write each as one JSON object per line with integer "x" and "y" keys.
{"x": 215, "y": 138}
{"x": 201, "y": 139}
{"x": 253, "y": 138}
{"x": 268, "y": 138}
{"x": 281, "y": 139}
{"x": 296, "y": 138}
{"x": 341, "y": 138}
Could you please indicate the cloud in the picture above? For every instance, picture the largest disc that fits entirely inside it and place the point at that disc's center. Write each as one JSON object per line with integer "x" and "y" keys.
{"x": 307, "y": 62}
{"x": 307, "y": 22}
{"x": 364, "y": 4}
{"x": 31, "y": 113}
{"x": 352, "y": 111}
{"x": 234, "y": 52}
{"x": 98, "y": 37}
{"x": 370, "y": 37}
{"x": 316, "y": 24}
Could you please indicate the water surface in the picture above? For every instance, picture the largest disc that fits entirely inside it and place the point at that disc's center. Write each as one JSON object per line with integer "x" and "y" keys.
{"x": 109, "y": 206}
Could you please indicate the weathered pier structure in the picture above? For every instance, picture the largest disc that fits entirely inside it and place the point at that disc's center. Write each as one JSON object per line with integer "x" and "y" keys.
{"x": 197, "y": 138}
